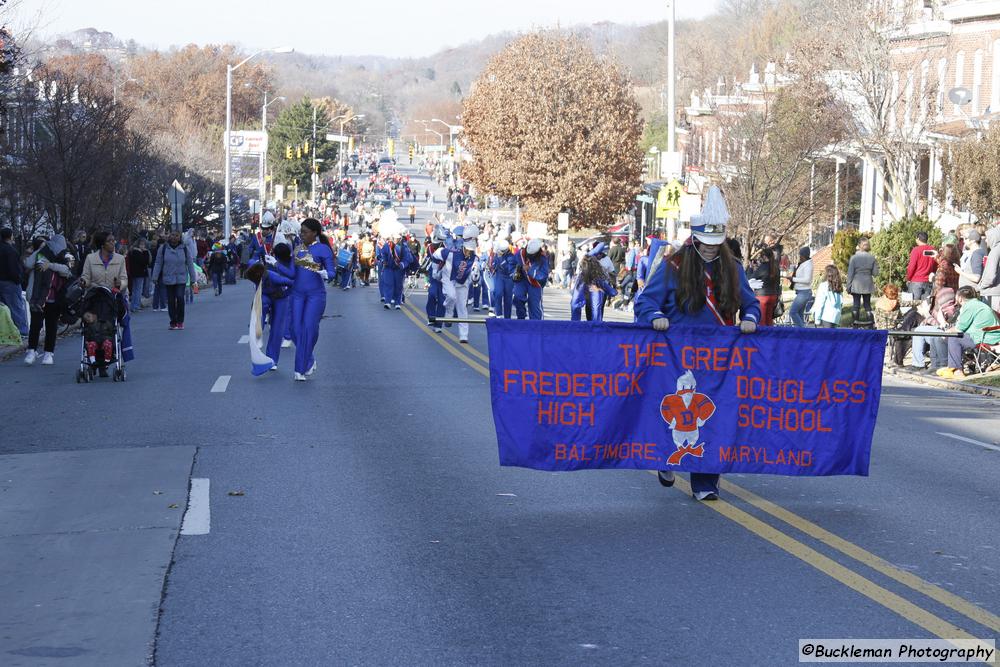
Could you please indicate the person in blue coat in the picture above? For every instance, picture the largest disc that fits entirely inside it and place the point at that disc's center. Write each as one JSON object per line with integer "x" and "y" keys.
{"x": 503, "y": 264}
{"x": 702, "y": 283}
{"x": 308, "y": 293}
{"x": 533, "y": 269}
{"x": 396, "y": 257}
{"x": 591, "y": 290}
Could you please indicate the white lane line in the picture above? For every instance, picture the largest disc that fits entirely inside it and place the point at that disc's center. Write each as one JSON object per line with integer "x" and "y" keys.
{"x": 221, "y": 384}
{"x": 243, "y": 340}
{"x": 198, "y": 517}
{"x": 971, "y": 441}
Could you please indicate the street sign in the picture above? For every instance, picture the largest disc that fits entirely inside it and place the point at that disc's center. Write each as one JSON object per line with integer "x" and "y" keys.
{"x": 668, "y": 202}
{"x": 562, "y": 222}
{"x": 337, "y": 138}
{"x": 176, "y": 196}
{"x": 645, "y": 199}
{"x": 247, "y": 142}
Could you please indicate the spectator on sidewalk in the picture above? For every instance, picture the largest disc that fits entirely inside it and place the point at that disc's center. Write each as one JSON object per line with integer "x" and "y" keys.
{"x": 973, "y": 260}
{"x": 861, "y": 272}
{"x": 139, "y": 260}
{"x": 989, "y": 282}
{"x": 51, "y": 269}
{"x": 973, "y": 318}
{"x": 768, "y": 273}
{"x": 173, "y": 268}
{"x": 802, "y": 284}
{"x": 10, "y": 281}
{"x": 104, "y": 266}
{"x": 947, "y": 265}
{"x": 939, "y": 313}
{"x": 920, "y": 267}
{"x": 828, "y": 306}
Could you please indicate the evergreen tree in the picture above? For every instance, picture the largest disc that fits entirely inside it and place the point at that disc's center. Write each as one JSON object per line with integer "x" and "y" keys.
{"x": 294, "y": 129}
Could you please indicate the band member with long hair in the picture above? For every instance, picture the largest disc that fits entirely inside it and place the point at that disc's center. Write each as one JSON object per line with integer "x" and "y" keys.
{"x": 313, "y": 265}
{"x": 702, "y": 283}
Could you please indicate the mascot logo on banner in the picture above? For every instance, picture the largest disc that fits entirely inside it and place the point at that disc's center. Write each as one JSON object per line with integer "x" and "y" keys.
{"x": 685, "y": 412}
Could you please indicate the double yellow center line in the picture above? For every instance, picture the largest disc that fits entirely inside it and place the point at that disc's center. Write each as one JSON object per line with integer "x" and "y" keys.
{"x": 784, "y": 541}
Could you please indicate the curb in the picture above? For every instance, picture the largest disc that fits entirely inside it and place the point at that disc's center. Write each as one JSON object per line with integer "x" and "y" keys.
{"x": 941, "y": 383}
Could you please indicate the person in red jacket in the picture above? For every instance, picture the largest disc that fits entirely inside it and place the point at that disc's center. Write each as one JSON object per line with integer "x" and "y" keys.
{"x": 923, "y": 262}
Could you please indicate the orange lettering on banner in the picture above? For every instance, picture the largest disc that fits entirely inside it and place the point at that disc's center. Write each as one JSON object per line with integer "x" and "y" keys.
{"x": 643, "y": 355}
{"x": 552, "y": 413}
{"x": 717, "y": 358}
{"x": 560, "y": 452}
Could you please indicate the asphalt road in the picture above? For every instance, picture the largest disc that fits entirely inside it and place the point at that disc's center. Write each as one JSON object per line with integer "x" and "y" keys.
{"x": 361, "y": 518}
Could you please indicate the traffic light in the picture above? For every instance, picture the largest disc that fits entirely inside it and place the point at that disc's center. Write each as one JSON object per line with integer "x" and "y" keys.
{"x": 305, "y": 147}
{"x": 298, "y": 152}
{"x": 288, "y": 152}
{"x": 451, "y": 151}
{"x": 350, "y": 144}
{"x": 315, "y": 168}
{"x": 411, "y": 154}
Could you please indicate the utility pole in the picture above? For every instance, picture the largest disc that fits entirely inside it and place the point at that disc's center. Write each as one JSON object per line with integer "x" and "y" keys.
{"x": 312, "y": 170}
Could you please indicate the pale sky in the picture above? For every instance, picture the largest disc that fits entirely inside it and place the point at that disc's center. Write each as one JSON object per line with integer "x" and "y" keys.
{"x": 333, "y": 27}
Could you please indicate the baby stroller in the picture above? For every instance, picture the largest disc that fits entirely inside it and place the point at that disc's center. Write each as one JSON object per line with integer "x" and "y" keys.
{"x": 109, "y": 309}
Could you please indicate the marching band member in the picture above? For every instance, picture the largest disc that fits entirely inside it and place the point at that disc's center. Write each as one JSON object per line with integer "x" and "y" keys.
{"x": 533, "y": 270}
{"x": 263, "y": 240}
{"x": 702, "y": 283}
{"x": 502, "y": 266}
{"x": 308, "y": 293}
{"x": 591, "y": 290}
{"x": 396, "y": 257}
{"x": 486, "y": 278}
{"x": 456, "y": 276}
{"x": 435, "y": 290}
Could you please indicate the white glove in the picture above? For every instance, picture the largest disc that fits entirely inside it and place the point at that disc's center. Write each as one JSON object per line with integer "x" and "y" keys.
{"x": 323, "y": 274}
{"x": 748, "y": 326}
{"x": 661, "y": 324}
{"x": 756, "y": 283}
{"x": 270, "y": 260}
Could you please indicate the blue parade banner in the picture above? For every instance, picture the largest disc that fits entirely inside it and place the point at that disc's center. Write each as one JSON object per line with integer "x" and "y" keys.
{"x": 781, "y": 401}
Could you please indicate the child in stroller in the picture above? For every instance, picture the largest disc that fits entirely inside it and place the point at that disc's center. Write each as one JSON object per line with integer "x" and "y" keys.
{"x": 102, "y": 313}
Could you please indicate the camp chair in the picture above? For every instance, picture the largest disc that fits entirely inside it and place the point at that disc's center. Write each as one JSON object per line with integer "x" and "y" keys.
{"x": 986, "y": 356}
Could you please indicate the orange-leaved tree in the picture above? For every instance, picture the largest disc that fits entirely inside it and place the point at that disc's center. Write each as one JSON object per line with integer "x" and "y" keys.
{"x": 554, "y": 125}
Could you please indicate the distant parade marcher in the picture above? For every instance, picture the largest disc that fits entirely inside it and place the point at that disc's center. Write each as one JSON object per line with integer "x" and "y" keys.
{"x": 485, "y": 277}
{"x": 366, "y": 259}
{"x": 313, "y": 267}
{"x": 503, "y": 264}
{"x": 435, "y": 289}
{"x": 396, "y": 257}
{"x": 591, "y": 289}
{"x": 533, "y": 267}
{"x": 262, "y": 242}
{"x": 456, "y": 278}
{"x": 702, "y": 283}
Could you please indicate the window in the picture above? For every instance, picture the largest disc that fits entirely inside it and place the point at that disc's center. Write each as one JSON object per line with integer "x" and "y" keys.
{"x": 995, "y": 78}
{"x": 893, "y": 107}
{"x": 923, "y": 94}
{"x": 941, "y": 85}
{"x": 959, "y": 67}
{"x": 977, "y": 82}
{"x": 908, "y": 108}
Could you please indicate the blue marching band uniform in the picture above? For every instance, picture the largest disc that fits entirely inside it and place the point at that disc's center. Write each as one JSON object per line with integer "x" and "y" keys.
{"x": 394, "y": 258}
{"x": 534, "y": 269}
{"x": 308, "y": 301}
{"x": 658, "y": 300}
{"x": 502, "y": 266}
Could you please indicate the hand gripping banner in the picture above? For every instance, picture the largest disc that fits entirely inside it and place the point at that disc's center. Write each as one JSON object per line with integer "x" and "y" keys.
{"x": 781, "y": 401}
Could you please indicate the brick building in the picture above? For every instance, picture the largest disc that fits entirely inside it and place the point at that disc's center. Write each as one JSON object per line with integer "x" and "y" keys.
{"x": 937, "y": 46}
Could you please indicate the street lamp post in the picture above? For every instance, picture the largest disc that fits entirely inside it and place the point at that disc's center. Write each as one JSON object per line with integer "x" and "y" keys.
{"x": 263, "y": 156}
{"x": 228, "y": 224}
{"x": 453, "y": 130}
{"x": 340, "y": 148}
